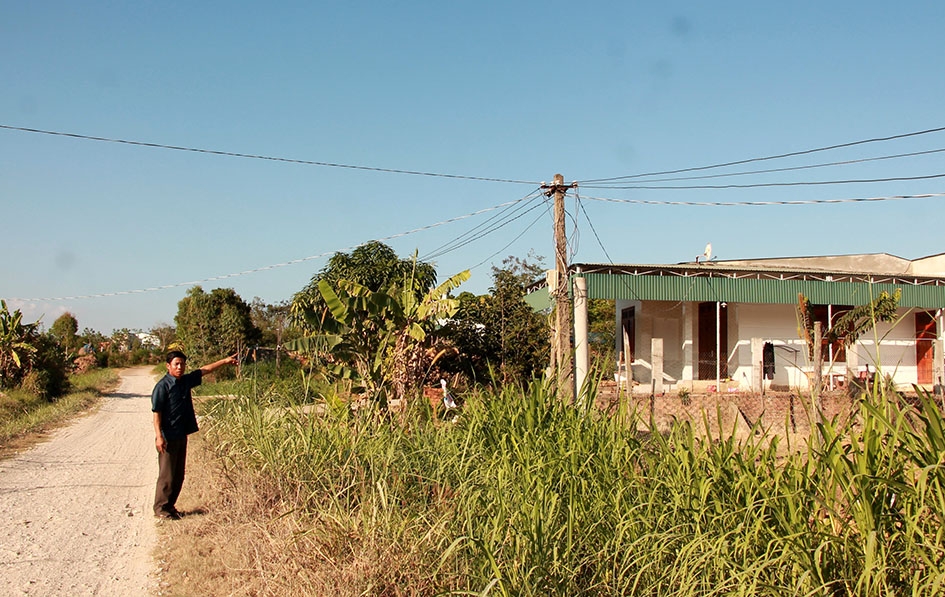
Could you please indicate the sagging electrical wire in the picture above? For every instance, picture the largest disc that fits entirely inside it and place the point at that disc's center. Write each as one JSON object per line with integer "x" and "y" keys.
{"x": 577, "y": 198}
{"x": 267, "y": 267}
{"x": 234, "y": 154}
{"x": 769, "y": 184}
{"x": 766, "y": 203}
{"x": 489, "y": 226}
{"x": 766, "y": 158}
{"x": 774, "y": 170}
{"x": 520, "y": 235}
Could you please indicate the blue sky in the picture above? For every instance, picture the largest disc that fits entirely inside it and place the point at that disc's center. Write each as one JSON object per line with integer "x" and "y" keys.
{"x": 513, "y": 91}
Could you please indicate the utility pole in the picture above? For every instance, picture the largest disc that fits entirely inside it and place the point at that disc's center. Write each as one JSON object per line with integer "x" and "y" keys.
{"x": 561, "y": 344}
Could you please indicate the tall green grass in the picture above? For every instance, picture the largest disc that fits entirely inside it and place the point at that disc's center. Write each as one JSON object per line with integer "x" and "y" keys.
{"x": 523, "y": 494}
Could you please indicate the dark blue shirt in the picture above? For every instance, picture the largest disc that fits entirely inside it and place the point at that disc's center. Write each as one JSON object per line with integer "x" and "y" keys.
{"x": 172, "y": 398}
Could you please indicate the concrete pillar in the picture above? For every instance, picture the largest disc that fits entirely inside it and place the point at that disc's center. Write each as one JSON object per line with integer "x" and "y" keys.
{"x": 757, "y": 357}
{"x": 656, "y": 357}
{"x": 938, "y": 367}
{"x": 581, "y": 352}
{"x": 853, "y": 362}
{"x": 689, "y": 371}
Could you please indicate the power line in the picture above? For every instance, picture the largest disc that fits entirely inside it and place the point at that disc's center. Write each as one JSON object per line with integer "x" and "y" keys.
{"x": 765, "y": 203}
{"x": 520, "y": 235}
{"x": 262, "y": 157}
{"x": 770, "y": 157}
{"x": 264, "y": 268}
{"x": 577, "y": 198}
{"x": 474, "y": 233}
{"x": 773, "y": 184}
{"x": 472, "y": 214}
{"x": 789, "y": 169}
{"x": 490, "y": 231}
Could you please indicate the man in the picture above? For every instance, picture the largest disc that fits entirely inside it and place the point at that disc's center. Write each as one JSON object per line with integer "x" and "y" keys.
{"x": 174, "y": 419}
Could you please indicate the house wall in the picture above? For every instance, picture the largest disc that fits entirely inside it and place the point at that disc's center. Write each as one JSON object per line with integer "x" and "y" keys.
{"x": 776, "y": 324}
{"x": 897, "y": 353}
{"x": 657, "y": 319}
{"x": 676, "y": 324}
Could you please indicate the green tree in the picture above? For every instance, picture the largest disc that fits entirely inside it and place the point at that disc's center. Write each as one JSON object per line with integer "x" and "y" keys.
{"x": 28, "y": 358}
{"x": 65, "y": 330}
{"x": 125, "y": 340}
{"x": 602, "y": 326}
{"x": 92, "y": 339}
{"x": 214, "y": 324}
{"x": 274, "y": 324}
{"x": 381, "y": 339}
{"x": 17, "y": 346}
{"x": 373, "y": 265}
{"x": 500, "y": 332}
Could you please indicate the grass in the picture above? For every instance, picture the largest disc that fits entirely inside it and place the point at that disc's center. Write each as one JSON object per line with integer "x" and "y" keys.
{"x": 24, "y": 416}
{"x": 524, "y": 495}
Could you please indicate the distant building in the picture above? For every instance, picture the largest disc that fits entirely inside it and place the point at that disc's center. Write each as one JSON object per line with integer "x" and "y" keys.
{"x": 148, "y": 340}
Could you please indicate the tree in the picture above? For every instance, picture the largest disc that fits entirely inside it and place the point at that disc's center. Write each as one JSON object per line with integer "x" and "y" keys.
{"x": 373, "y": 265}
{"x": 848, "y": 328}
{"x": 273, "y": 322}
{"x": 385, "y": 336}
{"x": 165, "y": 333}
{"x": 64, "y": 330}
{"x": 213, "y": 324}
{"x": 17, "y": 346}
{"x": 28, "y": 358}
{"x": 500, "y": 330}
{"x": 602, "y": 325}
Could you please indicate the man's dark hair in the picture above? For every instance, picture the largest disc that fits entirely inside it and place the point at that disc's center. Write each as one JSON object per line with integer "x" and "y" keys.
{"x": 175, "y": 354}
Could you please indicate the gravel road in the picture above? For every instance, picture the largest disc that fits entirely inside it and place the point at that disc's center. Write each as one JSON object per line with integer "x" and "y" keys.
{"x": 75, "y": 511}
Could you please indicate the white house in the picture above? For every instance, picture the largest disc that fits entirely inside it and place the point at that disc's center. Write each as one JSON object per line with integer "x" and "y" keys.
{"x": 733, "y": 325}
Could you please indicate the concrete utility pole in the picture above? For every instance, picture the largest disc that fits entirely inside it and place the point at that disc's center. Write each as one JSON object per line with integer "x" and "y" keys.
{"x": 561, "y": 346}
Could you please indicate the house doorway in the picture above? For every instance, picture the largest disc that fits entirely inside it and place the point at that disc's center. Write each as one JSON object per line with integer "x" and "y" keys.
{"x": 628, "y": 325}
{"x": 709, "y": 359}
{"x": 925, "y": 334}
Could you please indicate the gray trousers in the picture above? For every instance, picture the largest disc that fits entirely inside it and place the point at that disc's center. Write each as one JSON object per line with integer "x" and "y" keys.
{"x": 170, "y": 479}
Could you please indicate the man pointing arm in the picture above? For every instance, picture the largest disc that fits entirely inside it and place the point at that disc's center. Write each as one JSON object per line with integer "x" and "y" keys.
{"x": 174, "y": 419}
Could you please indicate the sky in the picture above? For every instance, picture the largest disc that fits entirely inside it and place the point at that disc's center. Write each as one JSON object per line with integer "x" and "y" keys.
{"x": 431, "y": 125}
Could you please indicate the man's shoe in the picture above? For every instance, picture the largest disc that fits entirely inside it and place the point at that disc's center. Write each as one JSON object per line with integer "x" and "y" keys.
{"x": 171, "y": 514}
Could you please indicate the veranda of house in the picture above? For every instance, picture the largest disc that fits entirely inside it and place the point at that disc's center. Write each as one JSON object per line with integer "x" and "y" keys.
{"x": 687, "y": 333}
{"x": 733, "y": 326}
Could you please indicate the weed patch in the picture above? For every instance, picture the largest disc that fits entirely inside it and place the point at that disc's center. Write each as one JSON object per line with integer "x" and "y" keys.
{"x": 525, "y": 495}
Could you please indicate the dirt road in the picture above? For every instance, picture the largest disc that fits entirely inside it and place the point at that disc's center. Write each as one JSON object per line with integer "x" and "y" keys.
{"x": 75, "y": 511}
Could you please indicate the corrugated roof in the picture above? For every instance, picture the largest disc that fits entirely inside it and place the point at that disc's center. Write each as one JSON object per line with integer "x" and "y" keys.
{"x": 741, "y": 283}
{"x": 654, "y": 286}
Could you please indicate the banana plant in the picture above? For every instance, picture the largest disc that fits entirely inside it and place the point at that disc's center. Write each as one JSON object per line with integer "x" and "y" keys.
{"x": 379, "y": 338}
{"x": 16, "y": 345}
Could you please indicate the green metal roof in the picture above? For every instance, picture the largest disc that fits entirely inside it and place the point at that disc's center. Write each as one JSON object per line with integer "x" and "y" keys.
{"x": 746, "y": 285}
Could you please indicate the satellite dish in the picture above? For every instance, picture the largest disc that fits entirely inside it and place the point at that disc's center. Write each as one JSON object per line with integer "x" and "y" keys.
{"x": 707, "y": 254}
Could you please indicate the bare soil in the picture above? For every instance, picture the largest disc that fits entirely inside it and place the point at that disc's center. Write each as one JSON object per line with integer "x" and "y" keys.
{"x": 76, "y": 509}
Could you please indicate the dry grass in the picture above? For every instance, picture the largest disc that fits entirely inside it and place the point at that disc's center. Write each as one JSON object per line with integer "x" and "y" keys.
{"x": 237, "y": 540}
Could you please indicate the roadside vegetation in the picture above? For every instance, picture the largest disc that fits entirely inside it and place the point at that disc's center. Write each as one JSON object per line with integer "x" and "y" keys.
{"x": 48, "y": 376}
{"x": 522, "y": 494}
{"x": 24, "y": 413}
{"x": 329, "y": 464}
{"x": 348, "y": 480}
